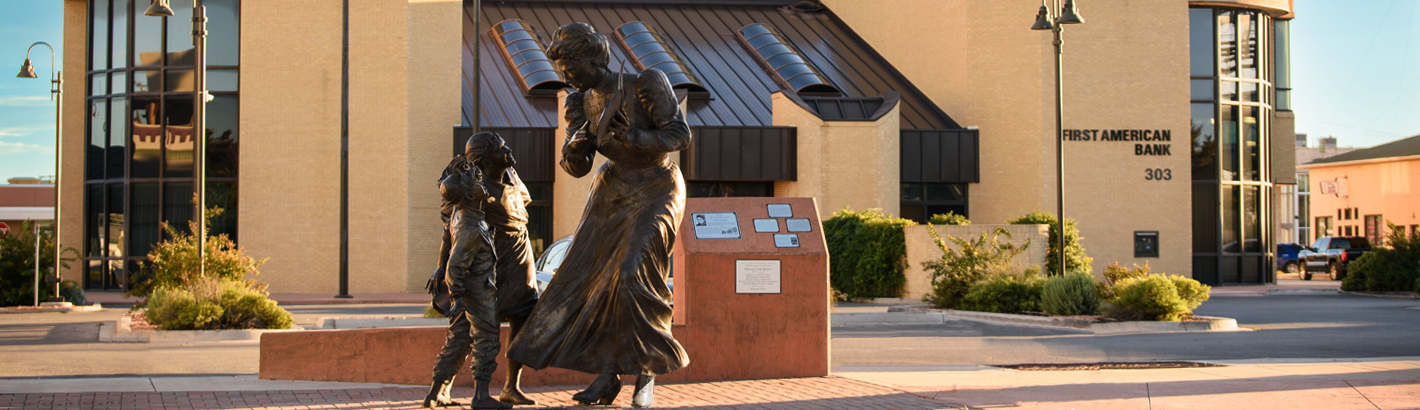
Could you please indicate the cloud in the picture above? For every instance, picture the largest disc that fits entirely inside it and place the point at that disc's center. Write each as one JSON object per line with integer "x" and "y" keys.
{"x": 24, "y": 101}
{"x": 12, "y": 148}
{"x": 23, "y": 130}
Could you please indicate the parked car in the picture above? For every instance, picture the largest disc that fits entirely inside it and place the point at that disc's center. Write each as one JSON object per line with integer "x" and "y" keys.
{"x": 553, "y": 256}
{"x": 1287, "y": 257}
{"x": 1331, "y": 254}
{"x": 550, "y": 260}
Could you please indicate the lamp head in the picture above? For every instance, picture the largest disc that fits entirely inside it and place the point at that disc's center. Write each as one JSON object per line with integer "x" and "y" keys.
{"x": 159, "y": 8}
{"x": 1068, "y": 14}
{"x": 1042, "y": 20}
{"x": 27, "y": 70}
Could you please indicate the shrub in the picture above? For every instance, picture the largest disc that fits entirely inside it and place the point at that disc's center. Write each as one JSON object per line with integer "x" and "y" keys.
{"x": 173, "y": 262}
{"x": 1003, "y": 294}
{"x": 1075, "y": 258}
{"x": 1393, "y": 265}
{"x": 949, "y": 218}
{"x": 867, "y": 253}
{"x": 214, "y": 303}
{"x": 1116, "y": 272}
{"x": 1070, "y": 295}
{"x": 1156, "y": 297}
{"x": 957, "y": 270}
{"x": 17, "y": 265}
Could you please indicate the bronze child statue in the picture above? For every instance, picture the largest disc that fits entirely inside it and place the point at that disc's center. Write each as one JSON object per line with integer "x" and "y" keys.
{"x": 608, "y": 311}
{"x": 469, "y": 275}
{"x": 507, "y": 216}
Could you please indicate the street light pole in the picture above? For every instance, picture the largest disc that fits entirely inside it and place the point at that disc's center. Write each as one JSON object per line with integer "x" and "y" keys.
{"x": 56, "y": 93}
{"x": 160, "y": 8}
{"x": 1043, "y": 19}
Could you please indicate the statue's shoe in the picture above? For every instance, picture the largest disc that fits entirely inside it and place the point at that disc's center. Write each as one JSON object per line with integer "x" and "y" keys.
{"x": 602, "y": 392}
{"x": 645, "y": 394}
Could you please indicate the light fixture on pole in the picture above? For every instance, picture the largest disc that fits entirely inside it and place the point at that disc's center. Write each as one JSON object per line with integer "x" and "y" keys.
{"x": 56, "y": 93}
{"x": 159, "y": 8}
{"x": 1043, "y": 20}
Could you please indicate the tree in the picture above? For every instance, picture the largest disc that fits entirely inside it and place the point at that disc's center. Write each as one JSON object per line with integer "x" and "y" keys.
{"x": 1075, "y": 258}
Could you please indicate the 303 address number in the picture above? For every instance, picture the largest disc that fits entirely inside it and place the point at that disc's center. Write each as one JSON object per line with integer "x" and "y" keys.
{"x": 1158, "y": 174}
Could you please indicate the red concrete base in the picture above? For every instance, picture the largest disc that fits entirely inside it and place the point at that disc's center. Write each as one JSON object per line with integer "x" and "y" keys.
{"x": 403, "y": 355}
{"x": 728, "y": 335}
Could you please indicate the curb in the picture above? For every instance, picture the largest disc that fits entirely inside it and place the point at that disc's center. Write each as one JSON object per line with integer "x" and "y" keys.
{"x": 377, "y": 322}
{"x": 119, "y": 331}
{"x": 1391, "y": 295}
{"x": 1292, "y": 292}
{"x": 919, "y": 315}
{"x": 63, "y": 307}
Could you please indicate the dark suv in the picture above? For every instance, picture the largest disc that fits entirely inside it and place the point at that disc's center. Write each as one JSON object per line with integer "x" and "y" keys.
{"x": 1331, "y": 254}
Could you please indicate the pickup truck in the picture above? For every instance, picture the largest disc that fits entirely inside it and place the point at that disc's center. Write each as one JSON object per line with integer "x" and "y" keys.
{"x": 1331, "y": 254}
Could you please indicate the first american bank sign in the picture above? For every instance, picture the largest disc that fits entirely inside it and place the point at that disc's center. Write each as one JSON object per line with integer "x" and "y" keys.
{"x": 1146, "y": 142}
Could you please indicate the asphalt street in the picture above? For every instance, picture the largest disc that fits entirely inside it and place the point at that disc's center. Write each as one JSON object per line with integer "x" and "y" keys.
{"x": 1311, "y": 326}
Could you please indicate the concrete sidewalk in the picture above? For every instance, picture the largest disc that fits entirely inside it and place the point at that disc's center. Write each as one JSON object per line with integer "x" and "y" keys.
{"x": 1388, "y": 383}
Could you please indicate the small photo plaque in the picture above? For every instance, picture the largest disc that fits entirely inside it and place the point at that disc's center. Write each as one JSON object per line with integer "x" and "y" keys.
{"x": 766, "y": 225}
{"x": 780, "y": 211}
{"x": 786, "y": 240}
{"x": 715, "y": 225}
{"x": 757, "y": 276}
{"x": 799, "y": 225}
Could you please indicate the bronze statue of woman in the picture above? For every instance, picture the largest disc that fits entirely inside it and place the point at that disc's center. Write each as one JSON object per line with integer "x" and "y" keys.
{"x": 608, "y": 310}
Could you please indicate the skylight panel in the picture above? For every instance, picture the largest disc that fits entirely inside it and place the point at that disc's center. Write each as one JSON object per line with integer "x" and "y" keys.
{"x": 649, "y": 50}
{"x": 789, "y": 69}
{"x": 525, "y": 54}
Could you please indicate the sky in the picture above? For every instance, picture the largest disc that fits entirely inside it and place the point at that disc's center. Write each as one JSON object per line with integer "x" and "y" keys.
{"x": 1355, "y": 76}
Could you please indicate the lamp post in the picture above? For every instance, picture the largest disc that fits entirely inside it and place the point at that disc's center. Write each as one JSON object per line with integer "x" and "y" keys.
{"x": 56, "y": 93}
{"x": 159, "y": 8}
{"x": 1043, "y": 20}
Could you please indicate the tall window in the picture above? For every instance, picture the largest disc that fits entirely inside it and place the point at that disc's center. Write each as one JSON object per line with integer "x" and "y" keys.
{"x": 139, "y": 161}
{"x": 1231, "y": 96}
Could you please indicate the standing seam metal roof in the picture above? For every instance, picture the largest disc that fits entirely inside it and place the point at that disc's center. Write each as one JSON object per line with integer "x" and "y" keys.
{"x": 704, "y": 36}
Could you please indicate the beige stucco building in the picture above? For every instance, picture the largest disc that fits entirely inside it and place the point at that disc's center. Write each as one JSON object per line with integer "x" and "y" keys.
{"x": 919, "y": 107}
{"x": 1361, "y": 192}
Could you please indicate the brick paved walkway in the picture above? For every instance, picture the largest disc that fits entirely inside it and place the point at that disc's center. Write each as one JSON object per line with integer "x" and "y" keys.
{"x": 811, "y": 393}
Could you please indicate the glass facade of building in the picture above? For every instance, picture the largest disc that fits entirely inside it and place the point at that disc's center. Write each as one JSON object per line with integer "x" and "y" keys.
{"x": 139, "y": 161}
{"x": 1232, "y": 99}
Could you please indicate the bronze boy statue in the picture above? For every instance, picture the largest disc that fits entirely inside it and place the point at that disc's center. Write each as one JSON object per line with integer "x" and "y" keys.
{"x": 469, "y": 276}
{"x": 507, "y": 216}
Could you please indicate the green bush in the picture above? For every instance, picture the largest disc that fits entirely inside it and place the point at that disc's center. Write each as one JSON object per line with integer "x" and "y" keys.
{"x": 957, "y": 270}
{"x": 1075, "y": 258}
{"x": 173, "y": 262}
{"x": 1003, "y": 295}
{"x": 1071, "y": 295}
{"x": 1391, "y": 266}
{"x": 214, "y": 303}
{"x": 867, "y": 253}
{"x": 17, "y": 265}
{"x": 1156, "y": 297}
{"x": 949, "y": 218}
